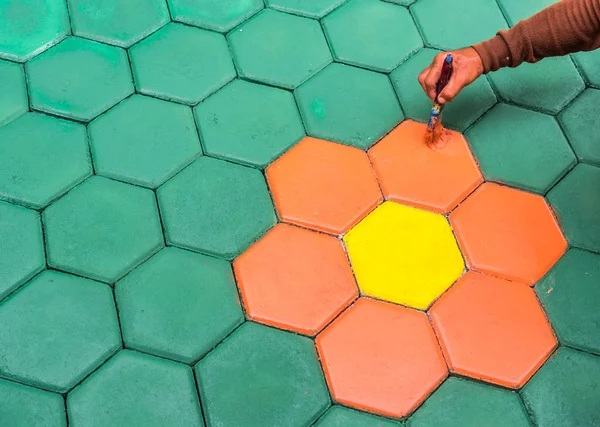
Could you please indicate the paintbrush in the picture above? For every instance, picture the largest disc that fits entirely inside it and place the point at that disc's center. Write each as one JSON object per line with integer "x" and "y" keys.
{"x": 433, "y": 136}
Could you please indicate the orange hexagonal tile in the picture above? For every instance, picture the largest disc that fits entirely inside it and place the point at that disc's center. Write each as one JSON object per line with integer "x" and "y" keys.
{"x": 492, "y": 329}
{"x": 412, "y": 173}
{"x": 381, "y": 357}
{"x": 295, "y": 279}
{"x": 323, "y": 185}
{"x": 508, "y": 233}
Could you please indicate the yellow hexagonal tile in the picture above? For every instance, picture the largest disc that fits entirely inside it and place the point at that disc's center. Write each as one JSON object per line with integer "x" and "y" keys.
{"x": 404, "y": 255}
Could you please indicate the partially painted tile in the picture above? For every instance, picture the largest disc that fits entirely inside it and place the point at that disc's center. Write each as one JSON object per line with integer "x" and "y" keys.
{"x": 368, "y": 364}
{"x": 492, "y": 224}
{"x": 412, "y": 173}
{"x": 273, "y": 376}
{"x": 295, "y": 279}
{"x": 476, "y": 322}
{"x": 322, "y": 185}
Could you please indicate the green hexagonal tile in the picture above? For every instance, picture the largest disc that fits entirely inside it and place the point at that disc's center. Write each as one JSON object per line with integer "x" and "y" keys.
{"x": 579, "y": 123}
{"x": 459, "y": 402}
{"x": 144, "y": 141}
{"x": 134, "y": 389}
{"x": 27, "y": 27}
{"x": 516, "y": 10}
{"x": 216, "y": 207}
{"x": 273, "y": 377}
{"x": 564, "y": 392}
{"x": 279, "y": 49}
{"x": 102, "y": 229}
{"x": 178, "y": 304}
{"x": 21, "y": 246}
{"x": 78, "y": 79}
{"x": 121, "y": 23}
{"x": 402, "y": 2}
{"x": 472, "y": 102}
{"x": 372, "y": 34}
{"x": 576, "y": 201}
{"x": 168, "y": 64}
{"x": 249, "y": 123}
{"x": 14, "y": 101}
{"x": 546, "y": 86}
{"x": 338, "y": 416}
{"x": 348, "y": 105}
{"x": 61, "y": 328}
{"x": 588, "y": 64}
{"x": 482, "y": 20}
{"x": 46, "y": 157}
{"x": 24, "y": 406}
{"x": 217, "y": 15}
{"x": 571, "y": 296}
{"x": 312, "y": 9}
{"x": 522, "y": 148}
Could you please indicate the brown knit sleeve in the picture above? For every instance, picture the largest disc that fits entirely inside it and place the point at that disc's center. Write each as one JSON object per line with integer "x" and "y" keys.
{"x": 565, "y": 27}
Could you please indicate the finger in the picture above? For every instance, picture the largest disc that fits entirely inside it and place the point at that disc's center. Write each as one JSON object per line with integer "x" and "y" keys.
{"x": 432, "y": 78}
{"x": 455, "y": 85}
{"x": 422, "y": 78}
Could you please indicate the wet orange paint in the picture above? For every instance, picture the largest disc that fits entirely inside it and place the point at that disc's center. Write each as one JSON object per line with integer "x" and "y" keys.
{"x": 323, "y": 185}
{"x": 411, "y": 172}
{"x": 295, "y": 279}
{"x": 508, "y": 233}
{"x": 493, "y": 330}
{"x": 381, "y": 357}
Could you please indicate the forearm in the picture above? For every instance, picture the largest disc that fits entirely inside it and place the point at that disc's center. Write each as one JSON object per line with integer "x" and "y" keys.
{"x": 566, "y": 27}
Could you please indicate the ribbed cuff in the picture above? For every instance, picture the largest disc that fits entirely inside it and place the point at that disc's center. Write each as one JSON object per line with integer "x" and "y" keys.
{"x": 494, "y": 53}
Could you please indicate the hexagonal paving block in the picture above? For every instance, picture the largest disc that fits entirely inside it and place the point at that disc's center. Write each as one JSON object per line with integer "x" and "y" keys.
{"x": 523, "y": 86}
{"x": 472, "y": 102}
{"x": 459, "y": 402}
{"x": 570, "y": 378}
{"x": 392, "y": 249}
{"x": 576, "y": 200}
{"x": 516, "y": 10}
{"x": 14, "y": 100}
{"x": 54, "y": 318}
{"x": 178, "y": 304}
{"x": 273, "y": 376}
{"x": 279, "y": 49}
{"x": 45, "y": 158}
{"x": 168, "y": 64}
{"x": 372, "y": 34}
{"x": 338, "y": 416}
{"x": 144, "y": 141}
{"x": 30, "y": 407}
{"x": 570, "y": 294}
{"x": 483, "y": 19}
{"x": 521, "y": 148}
{"x": 295, "y": 279}
{"x": 588, "y": 64}
{"x": 216, "y": 207}
{"x": 411, "y": 172}
{"x": 136, "y": 389}
{"x": 492, "y": 224}
{"x": 476, "y": 322}
{"x": 578, "y": 122}
{"x": 249, "y": 123}
{"x": 117, "y": 22}
{"x": 78, "y": 79}
{"x": 312, "y": 9}
{"x": 102, "y": 229}
{"x": 214, "y": 15}
{"x": 21, "y": 246}
{"x": 368, "y": 364}
{"x": 27, "y": 27}
{"x": 323, "y": 185}
{"x": 348, "y": 105}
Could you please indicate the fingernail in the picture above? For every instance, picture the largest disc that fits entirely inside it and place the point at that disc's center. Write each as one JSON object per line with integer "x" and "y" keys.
{"x": 442, "y": 100}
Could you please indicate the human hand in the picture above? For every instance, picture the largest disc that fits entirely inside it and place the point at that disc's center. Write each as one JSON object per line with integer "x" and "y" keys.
{"x": 466, "y": 68}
